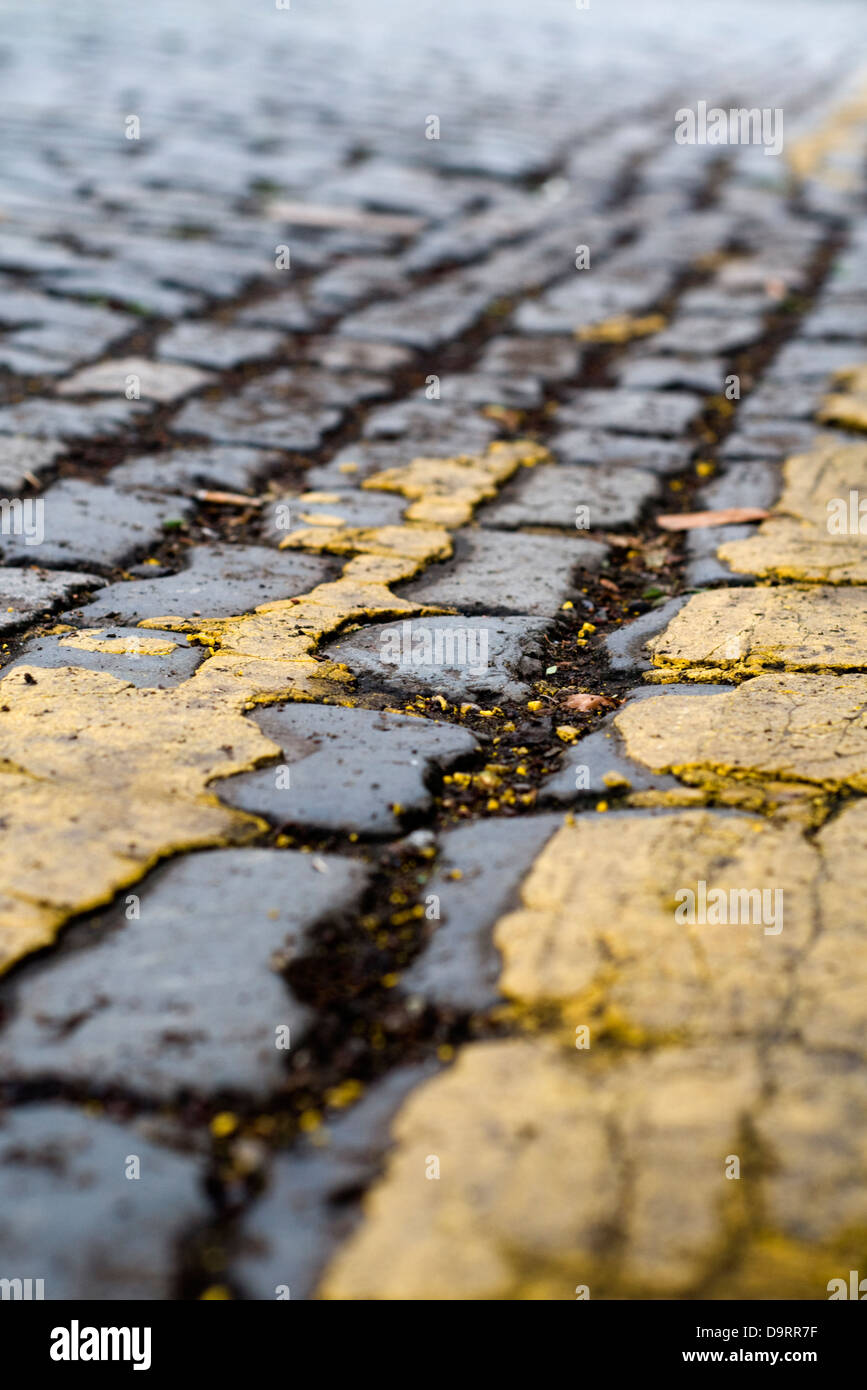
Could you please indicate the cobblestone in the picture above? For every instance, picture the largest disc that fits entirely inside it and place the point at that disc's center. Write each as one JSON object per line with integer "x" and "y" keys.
{"x": 217, "y": 579}
{"x": 487, "y": 659}
{"x": 217, "y": 347}
{"x": 70, "y": 1211}
{"x": 555, "y": 497}
{"x": 539, "y": 578}
{"x": 479, "y": 869}
{"x": 354, "y": 770}
{"x": 175, "y": 995}
{"x": 153, "y": 380}
{"x": 27, "y": 593}
{"x": 632, "y": 412}
{"x": 89, "y": 524}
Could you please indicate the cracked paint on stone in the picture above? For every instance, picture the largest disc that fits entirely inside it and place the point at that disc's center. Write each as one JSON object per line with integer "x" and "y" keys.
{"x": 807, "y": 730}
{"x": 446, "y": 491}
{"x": 795, "y": 542}
{"x": 597, "y": 934}
{"x": 731, "y": 634}
{"x": 101, "y": 778}
{"x": 557, "y": 1168}
{"x": 92, "y": 640}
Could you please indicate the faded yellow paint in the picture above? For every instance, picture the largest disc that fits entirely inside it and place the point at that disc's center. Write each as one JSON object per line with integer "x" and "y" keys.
{"x": 795, "y": 542}
{"x": 597, "y": 933}
{"x": 730, "y": 634}
{"x": 543, "y": 1155}
{"x": 829, "y": 1007}
{"x": 805, "y": 729}
{"x": 816, "y": 154}
{"x": 444, "y": 492}
{"x": 606, "y": 1163}
{"x": 621, "y": 329}
{"x": 560, "y": 1167}
{"x": 99, "y": 779}
{"x": 92, "y": 640}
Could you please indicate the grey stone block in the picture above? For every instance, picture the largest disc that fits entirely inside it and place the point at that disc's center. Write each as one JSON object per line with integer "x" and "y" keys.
{"x": 70, "y": 1216}
{"x": 459, "y": 967}
{"x": 186, "y": 997}
{"x": 348, "y": 769}
{"x": 220, "y": 581}
{"x": 549, "y": 497}
{"x": 96, "y": 525}
{"x": 513, "y": 573}
{"x": 487, "y": 658}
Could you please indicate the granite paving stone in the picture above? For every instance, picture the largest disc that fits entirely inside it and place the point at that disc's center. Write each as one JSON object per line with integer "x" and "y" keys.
{"x": 537, "y": 581}
{"x": 705, "y": 374}
{"x": 300, "y": 1219}
{"x": 338, "y": 354}
{"x": 219, "y": 580}
{"x": 94, "y": 524}
{"x": 348, "y": 769}
{"x": 479, "y": 869}
{"x": 52, "y": 419}
{"x": 543, "y": 359}
{"x": 809, "y": 362}
{"x": 617, "y": 450}
{"x": 27, "y": 593}
{"x": 188, "y": 995}
{"x": 552, "y": 497}
{"x": 186, "y": 470}
{"x": 217, "y": 347}
{"x": 486, "y": 659}
{"x": 20, "y": 456}
{"x": 631, "y": 412}
{"x": 155, "y": 381}
{"x": 422, "y": 319}
{"x": 699, "y": 334}
{"x": 431, "y": 425}
{"x": 69, "y": 1214}
{"x": 153, "y": 659}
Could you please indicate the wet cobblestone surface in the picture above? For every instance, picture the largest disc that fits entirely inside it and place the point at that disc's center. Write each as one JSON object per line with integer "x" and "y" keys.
{"x": 360, "y": 721}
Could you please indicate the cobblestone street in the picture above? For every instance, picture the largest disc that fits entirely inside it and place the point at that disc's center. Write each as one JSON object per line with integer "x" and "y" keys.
{"x": 433, "y": 705}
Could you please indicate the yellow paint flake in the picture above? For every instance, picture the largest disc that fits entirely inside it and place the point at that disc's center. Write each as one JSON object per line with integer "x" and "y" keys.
{"x": 621, "y": 329}
{"x": 346, "y": 1093}
{"x": 224, "y": 1124}
{"x": 445, "y": 491}
{"x": 91, "y": 640}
